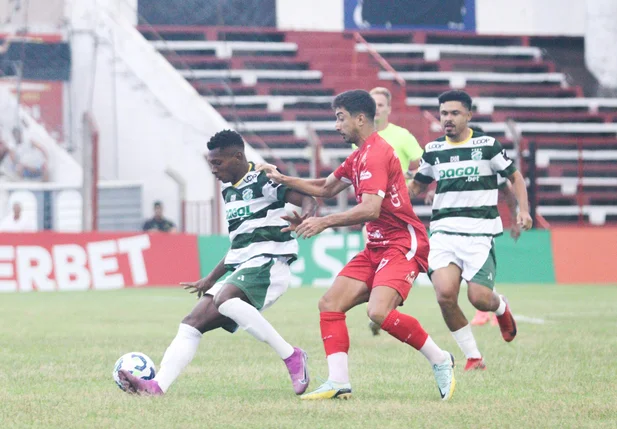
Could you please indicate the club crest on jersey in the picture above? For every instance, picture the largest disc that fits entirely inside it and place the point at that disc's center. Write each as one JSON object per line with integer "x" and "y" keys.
{"x": 476, "y": 154}
{"x": 247, "y": 194}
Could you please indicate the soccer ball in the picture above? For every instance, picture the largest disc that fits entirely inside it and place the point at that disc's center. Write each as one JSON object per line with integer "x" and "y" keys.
{"x": 137, "y": 364}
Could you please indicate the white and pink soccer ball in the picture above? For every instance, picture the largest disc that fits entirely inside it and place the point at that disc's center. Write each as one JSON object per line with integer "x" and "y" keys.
{"x": 138, "y": 364}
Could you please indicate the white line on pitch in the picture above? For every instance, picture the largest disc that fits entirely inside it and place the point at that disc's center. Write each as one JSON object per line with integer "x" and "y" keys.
{"x": 532, "y": 320}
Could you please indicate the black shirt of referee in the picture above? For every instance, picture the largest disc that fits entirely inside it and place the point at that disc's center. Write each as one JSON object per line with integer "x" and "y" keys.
{"x": 158, "y": 223}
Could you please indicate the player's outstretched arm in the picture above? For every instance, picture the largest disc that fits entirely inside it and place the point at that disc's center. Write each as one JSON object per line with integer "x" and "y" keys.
{"x": 306, "y": 202}
{"x": 203, "y": 285}
{"x": 369, "y": 209}
{"x": 523, "y": 219}
{"x": 323, "y": 188}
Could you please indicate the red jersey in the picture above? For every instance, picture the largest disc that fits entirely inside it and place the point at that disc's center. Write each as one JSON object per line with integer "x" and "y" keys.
{"x": 375, "y": 169}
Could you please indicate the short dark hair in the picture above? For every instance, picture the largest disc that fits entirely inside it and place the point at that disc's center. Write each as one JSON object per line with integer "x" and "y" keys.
{"x": 158, "y": 204}
{"x": 226, "y": 138}
{"x": 456, "y": 95}
{"x": 356, "y": 101}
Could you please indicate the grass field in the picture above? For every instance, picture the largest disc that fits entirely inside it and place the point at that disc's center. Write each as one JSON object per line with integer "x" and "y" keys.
{"x": 57, "y": 351}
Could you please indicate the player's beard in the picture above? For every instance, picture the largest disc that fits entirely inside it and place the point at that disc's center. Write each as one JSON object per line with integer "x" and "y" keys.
{"x": 350, "y": 138}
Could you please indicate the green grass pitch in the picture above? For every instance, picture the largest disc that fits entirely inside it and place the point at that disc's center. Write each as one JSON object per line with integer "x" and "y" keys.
{"x": 57, "y": 352}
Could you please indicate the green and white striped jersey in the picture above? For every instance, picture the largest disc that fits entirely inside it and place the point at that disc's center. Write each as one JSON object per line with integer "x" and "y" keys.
{"x": 467, "y": 184}
{"x": 253, "y": 208}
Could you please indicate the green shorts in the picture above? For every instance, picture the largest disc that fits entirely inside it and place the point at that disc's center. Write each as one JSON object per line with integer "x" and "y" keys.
{"x": 263, "y": 280}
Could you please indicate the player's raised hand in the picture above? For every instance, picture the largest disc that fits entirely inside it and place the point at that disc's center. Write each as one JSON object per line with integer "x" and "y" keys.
{"x": 294, "y": 221}
{"x": 271, "y": 171}
{"x": 200, "y": 286}
{"x": 524, "y": 221}
{"x": 311, "y": 227}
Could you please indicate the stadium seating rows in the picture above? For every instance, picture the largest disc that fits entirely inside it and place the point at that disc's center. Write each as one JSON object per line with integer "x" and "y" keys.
{"x": 276, "y": 87}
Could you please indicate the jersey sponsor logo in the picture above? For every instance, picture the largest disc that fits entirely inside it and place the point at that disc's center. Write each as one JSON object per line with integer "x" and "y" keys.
{"x": 250, "y": 177}
{"x": 476, "y": 142}
{"x": 375, "y": 235}
{"x": 435, "y": 146}
{"x": 238, "y": 213}
{"x": 459, "y": 172}
{"x": 365, "y": 175}
{"x": 394, "y": 196}
{"x": 476, "y": 154}
{"x": 411, "y": 277}
{"x": 247, "y": 194}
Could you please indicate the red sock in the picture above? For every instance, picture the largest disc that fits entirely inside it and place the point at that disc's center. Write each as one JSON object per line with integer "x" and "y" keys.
{"x": 405, "y": 328}
{"x": 334, "y": 332}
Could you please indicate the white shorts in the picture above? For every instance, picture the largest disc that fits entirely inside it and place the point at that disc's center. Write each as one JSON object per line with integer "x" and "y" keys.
{"x": 475, "y": 256}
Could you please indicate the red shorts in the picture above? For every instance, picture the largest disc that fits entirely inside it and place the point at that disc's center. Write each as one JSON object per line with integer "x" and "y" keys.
{"x": 384, "y": 267}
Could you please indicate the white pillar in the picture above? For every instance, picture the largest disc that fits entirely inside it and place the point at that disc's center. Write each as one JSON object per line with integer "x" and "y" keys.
{"x": 600, "y": 41}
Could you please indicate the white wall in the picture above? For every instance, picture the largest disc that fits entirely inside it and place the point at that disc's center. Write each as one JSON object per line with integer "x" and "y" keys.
{"x": 531, "y": 17}
{"x": 318, "y": 15}
{"x": 39, "y": 16}
{"x": 601, "y": 40}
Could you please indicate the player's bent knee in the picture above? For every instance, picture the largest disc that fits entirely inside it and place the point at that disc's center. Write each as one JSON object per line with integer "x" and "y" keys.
{"x": 480, "y": 296}
{"x": 377, "y": 314}
{"x": 446, "y": 298}
{"x": 195, "y": 320}
{"x": 326, "y": 304}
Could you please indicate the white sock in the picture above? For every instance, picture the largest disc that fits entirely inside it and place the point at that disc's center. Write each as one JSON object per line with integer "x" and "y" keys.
{"x": 502, "y": 307}
{"x": 434, "y": 354}
{"x": 465, "y": 340}
{"x": 251, "y": 320}
{"x": 178, "y": 355}
{"x": 338, "y": 368}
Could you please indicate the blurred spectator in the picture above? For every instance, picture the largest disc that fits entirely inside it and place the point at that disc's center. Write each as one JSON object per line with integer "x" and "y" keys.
{"x": 17, "y": 221}
{"x": 158, "y": 223}
{"x": 29, "y": 157}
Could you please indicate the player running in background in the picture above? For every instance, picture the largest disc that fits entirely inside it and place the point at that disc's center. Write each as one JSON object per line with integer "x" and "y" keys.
{"x": 262, "y": 248}
{"x": 465, "y": 219}
{"x": 383, "y": 273}
{"x": 507, "y": 194}
{"x": 402, "y": 141}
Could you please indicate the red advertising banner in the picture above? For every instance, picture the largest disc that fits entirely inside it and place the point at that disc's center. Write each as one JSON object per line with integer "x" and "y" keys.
{"x": 51, "y": 261}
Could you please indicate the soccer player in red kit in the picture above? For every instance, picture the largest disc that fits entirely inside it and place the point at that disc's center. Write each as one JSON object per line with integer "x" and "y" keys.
{"x": 396, "y": 251}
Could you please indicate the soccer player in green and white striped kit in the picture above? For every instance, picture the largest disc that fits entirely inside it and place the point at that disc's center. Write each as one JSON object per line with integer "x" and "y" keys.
{"x": 262, "y": 248}
{"x": 465, "y": 219}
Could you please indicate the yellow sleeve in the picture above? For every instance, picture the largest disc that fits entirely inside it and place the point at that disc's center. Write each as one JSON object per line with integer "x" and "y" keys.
{"x": 414, "y": 151}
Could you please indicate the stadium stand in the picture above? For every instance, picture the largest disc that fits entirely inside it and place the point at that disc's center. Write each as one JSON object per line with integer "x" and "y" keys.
{"x": 276, "y": 88}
